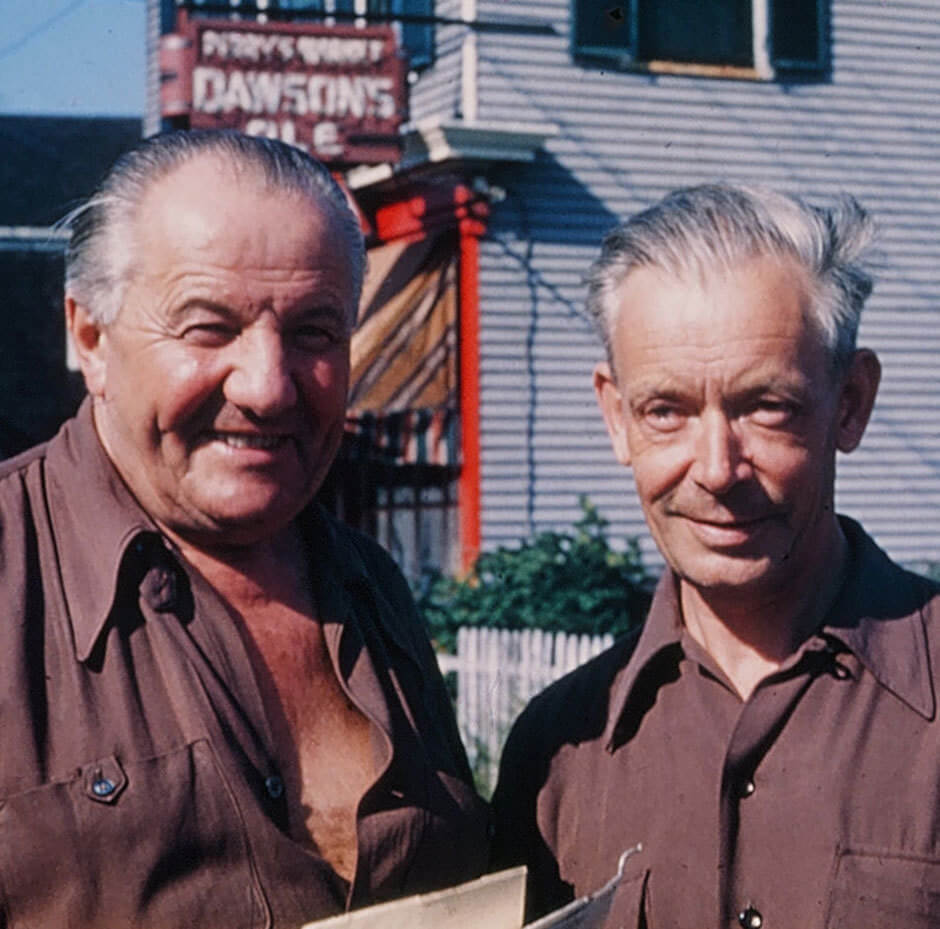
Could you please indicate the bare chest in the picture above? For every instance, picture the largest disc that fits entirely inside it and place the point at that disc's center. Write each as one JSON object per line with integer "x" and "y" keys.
{"x": 322, "y": 741}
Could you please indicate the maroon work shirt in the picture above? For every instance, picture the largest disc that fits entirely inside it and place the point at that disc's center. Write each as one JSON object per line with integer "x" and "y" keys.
{"x": 137, "y": 786}
{"x": 814, "y": 803}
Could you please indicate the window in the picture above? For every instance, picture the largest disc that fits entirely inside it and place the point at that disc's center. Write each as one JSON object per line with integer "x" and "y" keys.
{"x": 765, "y": 36}
{"x": 417, "y": 29}
{"x": 410, "y": 509}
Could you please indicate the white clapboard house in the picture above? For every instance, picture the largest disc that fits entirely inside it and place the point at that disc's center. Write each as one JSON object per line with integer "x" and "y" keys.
{"x": 528, "y": 130}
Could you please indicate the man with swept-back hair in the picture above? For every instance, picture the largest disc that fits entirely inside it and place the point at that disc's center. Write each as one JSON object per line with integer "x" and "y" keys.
{"x": 218, "y": 706}
{"x": 768, "y": 741}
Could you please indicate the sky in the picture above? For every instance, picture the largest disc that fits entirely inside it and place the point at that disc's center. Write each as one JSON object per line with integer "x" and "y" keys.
{"x": 78, "y": 57}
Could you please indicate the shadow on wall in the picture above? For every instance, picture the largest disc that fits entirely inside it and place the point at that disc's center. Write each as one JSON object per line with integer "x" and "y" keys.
{"x": 549, "y": 227}
{"x": 545, "y": 202}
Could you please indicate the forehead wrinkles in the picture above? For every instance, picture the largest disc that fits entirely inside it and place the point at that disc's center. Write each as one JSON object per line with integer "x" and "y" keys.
{"x": 755, "y": 307}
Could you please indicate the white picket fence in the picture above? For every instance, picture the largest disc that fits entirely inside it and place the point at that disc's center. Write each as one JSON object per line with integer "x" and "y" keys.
{"x": 497, "y": 672}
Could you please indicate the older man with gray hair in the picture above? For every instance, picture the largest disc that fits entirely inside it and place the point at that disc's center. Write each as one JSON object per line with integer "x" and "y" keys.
{"x": 219, "y": 706}
{"x": 769, "y": 739}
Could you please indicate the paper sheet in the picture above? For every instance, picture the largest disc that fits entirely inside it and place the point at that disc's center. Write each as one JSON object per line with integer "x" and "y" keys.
{"x": 496, "y": 901}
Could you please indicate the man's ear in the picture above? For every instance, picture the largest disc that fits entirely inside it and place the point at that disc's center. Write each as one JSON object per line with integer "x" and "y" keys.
{"x": 610, "y": 401}
{"x": 856, "y": 398}
{"x": 88, "y": 338}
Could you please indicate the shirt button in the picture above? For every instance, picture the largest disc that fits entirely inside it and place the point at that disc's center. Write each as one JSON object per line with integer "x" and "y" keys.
{"x": 103, "y": 787}
{"x": 274, "y": 786}
{"x": 751, "y": 918}
{"x": 160, "y": 589}
{"x": 746, "y": 789}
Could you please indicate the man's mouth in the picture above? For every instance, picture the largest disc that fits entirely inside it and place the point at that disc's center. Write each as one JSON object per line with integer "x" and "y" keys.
{"x": 728, "y": 533}
{"x": 249, "y": 440}
{"x": 729, "y": 523}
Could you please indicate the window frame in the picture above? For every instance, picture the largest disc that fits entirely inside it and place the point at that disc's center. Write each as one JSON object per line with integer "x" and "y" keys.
{"x": 766, "y": 65}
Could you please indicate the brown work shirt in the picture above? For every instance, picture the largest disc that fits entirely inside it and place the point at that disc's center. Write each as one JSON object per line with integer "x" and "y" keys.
{"x": 137, "y": 782}
{"x": 814, "y": 803}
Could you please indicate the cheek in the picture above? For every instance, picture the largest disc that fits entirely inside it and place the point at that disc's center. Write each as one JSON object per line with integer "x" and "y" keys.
{"x": 328, "y": 380}
{"x": 786, "y": 464}
{"x": 802, "y": 478}
{"x": 184, "y": 386}
{"x": 658, "y": 467}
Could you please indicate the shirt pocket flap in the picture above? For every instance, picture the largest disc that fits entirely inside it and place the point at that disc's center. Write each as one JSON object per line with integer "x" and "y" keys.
{"x": 878, "y": 888}
{"x": 152, "y": 842}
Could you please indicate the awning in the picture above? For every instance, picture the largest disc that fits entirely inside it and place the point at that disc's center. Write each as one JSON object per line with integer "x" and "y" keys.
{"x": 403, "y": 386}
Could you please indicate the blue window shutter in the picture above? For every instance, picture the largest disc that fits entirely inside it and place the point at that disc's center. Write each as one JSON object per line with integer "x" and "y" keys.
{"x": 604, "y": 29}
{"x": 418, "y": 38}
{"x": 799, "y": 39}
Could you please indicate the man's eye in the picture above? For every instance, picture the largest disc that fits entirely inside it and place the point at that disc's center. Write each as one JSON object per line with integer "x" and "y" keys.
{"x": 209, "y": 334}
{"x": 663, "y": 417}
{"x": 313, "y": 338}
{"x": 773, "y": 412}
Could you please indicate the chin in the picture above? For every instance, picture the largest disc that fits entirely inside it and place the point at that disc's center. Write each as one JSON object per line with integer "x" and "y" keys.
{"x": 726, "y": 573}
{"x": 245, "y": 521}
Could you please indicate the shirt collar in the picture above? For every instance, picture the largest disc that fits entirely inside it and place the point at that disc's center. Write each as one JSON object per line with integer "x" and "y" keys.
{"x": 95, "y": 519}
{"x": 878, "y": 616}
{"x": 661, "y": 631}
{"x": 345, "y": 574}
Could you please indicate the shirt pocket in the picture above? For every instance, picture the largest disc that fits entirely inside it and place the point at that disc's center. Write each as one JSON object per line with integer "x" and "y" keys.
{"x": 157, "y": 842}
{"x": 881, "y": 889}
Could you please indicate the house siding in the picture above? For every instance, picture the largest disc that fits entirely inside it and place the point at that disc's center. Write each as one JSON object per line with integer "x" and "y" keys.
{"x": 871, "y": 128}
{"x": 437, "y": 90}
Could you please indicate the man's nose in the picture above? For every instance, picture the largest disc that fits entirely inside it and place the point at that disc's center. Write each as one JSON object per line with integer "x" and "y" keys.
{"x": 261, "y": 380}
{"x": 719, "y": 461}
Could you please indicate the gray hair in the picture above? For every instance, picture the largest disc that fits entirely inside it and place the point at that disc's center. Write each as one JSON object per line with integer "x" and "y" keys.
{"x": 100, "y": 255}
{"x": 697, "y": 230}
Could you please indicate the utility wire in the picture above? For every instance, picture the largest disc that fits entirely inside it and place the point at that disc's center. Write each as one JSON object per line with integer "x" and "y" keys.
{"x": 39, "y": 29}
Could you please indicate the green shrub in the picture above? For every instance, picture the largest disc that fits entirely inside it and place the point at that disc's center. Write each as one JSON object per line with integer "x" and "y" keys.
{"x": 558, "y": 581}
{"x": 931, "y": 569}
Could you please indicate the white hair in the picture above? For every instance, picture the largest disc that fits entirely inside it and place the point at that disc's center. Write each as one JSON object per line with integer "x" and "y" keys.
{"x": 697, "y": 230}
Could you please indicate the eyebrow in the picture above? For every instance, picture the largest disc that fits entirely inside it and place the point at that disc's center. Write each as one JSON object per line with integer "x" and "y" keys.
{"x": 749, "y": 384}
{"x": 179, "y": 313}
{"x": 671, "y": 388}
{"x": 314, "y": 310}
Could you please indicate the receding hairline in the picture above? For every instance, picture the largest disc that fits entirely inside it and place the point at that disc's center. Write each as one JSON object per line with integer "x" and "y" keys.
{"x": 246, "y": 176}
{"x": 100, "y": 256}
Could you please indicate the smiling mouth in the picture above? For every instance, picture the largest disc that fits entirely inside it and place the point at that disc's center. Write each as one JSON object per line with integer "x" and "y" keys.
{"x": 243, "y": 440}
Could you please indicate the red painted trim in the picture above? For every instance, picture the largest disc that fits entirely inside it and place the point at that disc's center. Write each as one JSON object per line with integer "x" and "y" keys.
{"x": 470, "y": 226}
{"x": 421, "y": 209}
